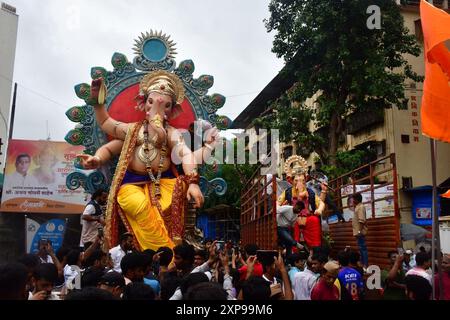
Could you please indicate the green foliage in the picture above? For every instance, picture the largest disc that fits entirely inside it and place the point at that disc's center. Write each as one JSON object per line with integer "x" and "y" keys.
{"x": 330, "y": 50}
{"x": 347, "y": 161}
{"x": 292, "y": 123}
{"x": 235, "y": 175}
{"x": 232, "y": 174}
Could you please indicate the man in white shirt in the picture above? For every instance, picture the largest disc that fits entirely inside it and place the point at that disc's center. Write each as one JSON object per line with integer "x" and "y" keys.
{"x": 305, "y": 280}
{"x": 117, "y": 253}
{"x": 21, "y": 178}
{"x": 92, "y": 218}
{"x": 46, "y": 253}
{"x": 423, "y": 263}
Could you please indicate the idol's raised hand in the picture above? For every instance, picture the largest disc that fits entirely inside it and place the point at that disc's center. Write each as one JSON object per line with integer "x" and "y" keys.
{"x": 89, "y": 162}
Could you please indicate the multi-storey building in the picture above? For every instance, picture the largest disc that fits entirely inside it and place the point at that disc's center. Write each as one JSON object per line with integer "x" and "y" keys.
{"x": 8, "y": 35}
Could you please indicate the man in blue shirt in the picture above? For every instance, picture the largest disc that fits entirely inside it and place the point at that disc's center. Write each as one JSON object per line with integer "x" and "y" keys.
{"x": 150, "y": 278}
{"x": 349, "y": 278}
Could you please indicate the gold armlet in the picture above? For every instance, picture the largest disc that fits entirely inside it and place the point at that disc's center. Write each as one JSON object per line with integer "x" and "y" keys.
{"x": 118, "y": 123}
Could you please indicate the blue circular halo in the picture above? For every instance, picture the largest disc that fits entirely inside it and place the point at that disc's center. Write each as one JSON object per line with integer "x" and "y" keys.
{"x": 155, "y": 50}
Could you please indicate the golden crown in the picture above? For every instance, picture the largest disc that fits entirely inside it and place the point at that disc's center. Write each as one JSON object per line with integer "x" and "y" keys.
{"x": 295, "y": 165}
{"x": 163, "y": 82}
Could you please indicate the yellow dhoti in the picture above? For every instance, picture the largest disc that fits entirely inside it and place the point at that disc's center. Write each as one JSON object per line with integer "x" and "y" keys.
{"x": 143, "y": 217}
{"x": 152, "y": 226}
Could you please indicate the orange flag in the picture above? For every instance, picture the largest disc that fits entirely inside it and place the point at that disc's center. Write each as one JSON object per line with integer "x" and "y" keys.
{"x": 436, "y": 92}
{"x": 446, "y": 195}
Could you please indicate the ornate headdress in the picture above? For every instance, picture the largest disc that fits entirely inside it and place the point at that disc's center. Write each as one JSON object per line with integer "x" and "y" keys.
{"x": 295, "y": 165}
{"x": 163, "y": 82}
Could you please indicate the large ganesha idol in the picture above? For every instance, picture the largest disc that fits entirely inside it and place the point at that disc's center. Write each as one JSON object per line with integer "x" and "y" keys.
{"x": 136, "y": 145}
{"x": 307, "y": 228}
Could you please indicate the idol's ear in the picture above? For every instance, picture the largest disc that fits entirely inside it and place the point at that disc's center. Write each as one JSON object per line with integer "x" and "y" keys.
{"x": 176, "y": 111}
{"x": 140, "y": 102}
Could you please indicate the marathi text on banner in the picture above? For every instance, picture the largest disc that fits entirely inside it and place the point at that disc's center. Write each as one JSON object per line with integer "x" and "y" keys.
{"x": 35, "y": 178}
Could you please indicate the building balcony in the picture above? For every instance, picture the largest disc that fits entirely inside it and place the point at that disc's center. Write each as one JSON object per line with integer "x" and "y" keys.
{"x": 443, "y": 4}
{"x": 362, "y": 120}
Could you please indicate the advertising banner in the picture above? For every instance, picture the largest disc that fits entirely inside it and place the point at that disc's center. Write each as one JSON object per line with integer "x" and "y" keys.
{"x": 35, "y": 178}
{"x": 383, "y": 208}
{"x": 52, "y": 231}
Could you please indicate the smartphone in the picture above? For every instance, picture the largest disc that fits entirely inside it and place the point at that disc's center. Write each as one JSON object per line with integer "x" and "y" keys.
{"x": 220, "y": 245}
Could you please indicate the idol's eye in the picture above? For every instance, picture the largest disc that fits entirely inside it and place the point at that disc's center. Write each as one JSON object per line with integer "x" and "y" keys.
{"x": 150, "y": 100}
{"x": 168, "y": 105}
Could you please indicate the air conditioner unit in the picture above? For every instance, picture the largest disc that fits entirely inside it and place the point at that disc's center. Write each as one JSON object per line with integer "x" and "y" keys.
{"x": 8, "y": 8}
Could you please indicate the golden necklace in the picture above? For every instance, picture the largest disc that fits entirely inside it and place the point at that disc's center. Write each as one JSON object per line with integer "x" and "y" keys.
{"x": 147, "y": 158}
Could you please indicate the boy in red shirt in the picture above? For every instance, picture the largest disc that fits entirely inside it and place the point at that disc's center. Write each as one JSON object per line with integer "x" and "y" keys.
{"x": 250, "y": 250}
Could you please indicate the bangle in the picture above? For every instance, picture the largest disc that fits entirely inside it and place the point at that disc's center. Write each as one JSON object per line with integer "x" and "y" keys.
{"x": 193, "y": 178}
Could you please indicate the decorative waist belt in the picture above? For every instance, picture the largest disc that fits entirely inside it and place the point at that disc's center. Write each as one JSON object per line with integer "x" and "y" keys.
{"x": 132, "y": 177}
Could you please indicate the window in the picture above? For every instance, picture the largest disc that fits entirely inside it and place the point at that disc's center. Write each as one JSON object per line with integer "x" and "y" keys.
{"x": 418, "y": 30}
{"x": 407, "y": 183}
{"x": 405, "y": 138}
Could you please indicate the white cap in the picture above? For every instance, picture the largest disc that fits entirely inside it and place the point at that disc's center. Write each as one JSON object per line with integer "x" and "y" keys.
{"x": 408, "y": 252}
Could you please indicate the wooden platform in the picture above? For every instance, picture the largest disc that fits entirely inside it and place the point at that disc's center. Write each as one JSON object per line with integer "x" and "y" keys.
{"x": 383, "y": 236}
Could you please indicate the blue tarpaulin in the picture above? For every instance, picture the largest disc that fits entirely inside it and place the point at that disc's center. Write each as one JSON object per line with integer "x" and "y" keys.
{"x": 204, "y": 223}
{"x": 422, "y": 205}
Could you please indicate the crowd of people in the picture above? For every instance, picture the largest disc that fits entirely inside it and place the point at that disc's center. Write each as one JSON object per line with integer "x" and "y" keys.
{"x": 222, "y": 271}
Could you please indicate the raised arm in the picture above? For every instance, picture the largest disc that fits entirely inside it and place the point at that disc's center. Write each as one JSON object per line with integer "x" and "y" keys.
{"x": 212, "y": 139}
{"x": 279, "y": 263}
{"x": 109, "y": 125}
{"x": 320, "y": 206}
{"x": 55, "y": 260}
{"x": 180, "y": 151}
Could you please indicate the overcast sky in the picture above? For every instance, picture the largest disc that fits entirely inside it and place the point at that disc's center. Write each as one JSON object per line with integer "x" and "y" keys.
{"x": 60, "y": 40}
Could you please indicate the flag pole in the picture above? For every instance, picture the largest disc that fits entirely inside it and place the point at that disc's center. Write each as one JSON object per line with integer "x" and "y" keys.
{"x": 436, "y": 241}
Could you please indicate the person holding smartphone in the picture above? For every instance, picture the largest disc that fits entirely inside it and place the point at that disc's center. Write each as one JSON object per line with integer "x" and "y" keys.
{"x": 46, "y": 254}
{"x": 273, "y": 265}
